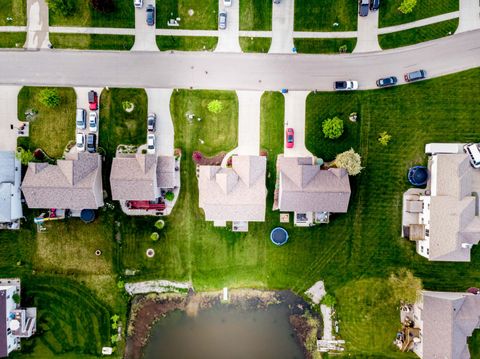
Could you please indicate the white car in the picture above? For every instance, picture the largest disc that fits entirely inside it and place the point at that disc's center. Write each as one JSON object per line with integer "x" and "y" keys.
{"x": 92, "y": 121}
{"x": 473, "y": 152}
{"x": 227, "y": 3}
{"x": 151, "y": 144}
{"x": 138, "y": 3}
{"x": 80, "y": 142}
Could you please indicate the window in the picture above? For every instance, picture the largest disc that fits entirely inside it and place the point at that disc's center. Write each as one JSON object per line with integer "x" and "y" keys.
{"x": 427, "y": 232}
{"x": 421, "y": 249}
{"x": 428, "y": 250}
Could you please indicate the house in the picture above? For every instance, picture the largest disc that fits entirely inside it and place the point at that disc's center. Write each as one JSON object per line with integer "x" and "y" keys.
{"x": 310, "y": 192}
{"x": 74, "y": 183}
{"x": 16, "y": 322}
{"x": 237, "y": 194}
{"x": 439, "y": 324}
{"x": 443, "y": 218}
{"x": 10, "y": 194}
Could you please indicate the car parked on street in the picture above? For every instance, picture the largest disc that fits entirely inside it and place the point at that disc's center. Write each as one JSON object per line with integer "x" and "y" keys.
{"x": 92, "y": 122}
{"x": 93, "y": 100}
{"x": 227, "y": 3}
{"x": 387, "y": 81}
{"x": 471, "y": 149}
{"x": 80, "y": 139}
{"x": 138, "y": 3}
{"x": 374, "y": 5}
{"x": 151, "y": 122}
{"x": 81, "y": 118}
{"x": 345, "y": 85}
{"x": 222, "y": 20}
{"x": 415, "y": 75}
{"x": 150, "y": 15}
{"x": 151, "y": 144}
{"x": 363, "y": 7}
{"x": 91, "y": 142}
{"x": 289, "y": 138}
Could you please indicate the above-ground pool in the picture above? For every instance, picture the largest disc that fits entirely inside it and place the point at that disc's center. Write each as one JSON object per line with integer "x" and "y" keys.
{"x": 418, "y": 175}
{"x": 279, "y": 236}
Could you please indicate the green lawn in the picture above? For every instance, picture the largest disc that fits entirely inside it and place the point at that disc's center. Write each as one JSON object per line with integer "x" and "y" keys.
{"x": 256, "y": 14}
{"x": 194, "y": 14}
{"x": 389, "y": 14}
{"x": 323, "y": 46}
{"x": 12, "y": 39}
{"x": 419, "y": 34}
{"x": 255, "y": 44}
{"x": 85, "y": 15}
{"x": 92, "y": 42}
{"x": 15, "y": 9}
{"x": 314, "y": 15}
{"x": 50, "y": 123}
{"x": 186, "y": 43}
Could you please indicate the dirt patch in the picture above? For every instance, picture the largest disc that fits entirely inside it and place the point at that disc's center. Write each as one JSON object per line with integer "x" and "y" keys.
{"x": 200, "y": 159}
{"x": 306, "y": 328}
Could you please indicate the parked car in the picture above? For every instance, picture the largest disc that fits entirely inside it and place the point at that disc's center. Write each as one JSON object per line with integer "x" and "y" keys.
{"x": 151, "y": 122}
{"x": 345, "y": 85}
{"x": 151, "y": 144}
{"x": 80, "y": 142}
{"x": 227, "y": 3}
{"x": 374, "y": 5}
{"x": 138, "y": 3}
{"x": 92, "y": 122}
{"x": 222, "y": 20}
{"x": 150, "y": 15}
{"x": 363, "y": 7}
{"x": 387, "y": 81}
{"x": 276, "y": 1}
{"x": 415, "y": 75}
{"x": 81, "y": 118}
{"x": 91, "y": 142}
{"x": 471, "y": 149}
{"x": 93, "y": 100}
{"x": 289, "y": 138}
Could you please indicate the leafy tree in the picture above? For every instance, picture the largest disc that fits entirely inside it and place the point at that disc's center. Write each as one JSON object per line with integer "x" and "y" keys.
{"x": 407, "y": 6}
{"x": 49, "y": 97}
{"x": 160, "y": 224}
{"x": 405, "y": 286}
{"x": 332, "y": 128}
{"x": 350, "y": 160}
{"x": 384, "y": 138}
{"x": 62, "y": 7}
{"x": 16, "y": 298}
{"x": 169, "y": 196}
{"x": 215, "y": 106}
{"x": 329, "y": 300}
{"x": 24, "y": 156}
{"x": 342, "y": 49}
{"x": 120, "y": 285}
{"x": 103, "y": 5}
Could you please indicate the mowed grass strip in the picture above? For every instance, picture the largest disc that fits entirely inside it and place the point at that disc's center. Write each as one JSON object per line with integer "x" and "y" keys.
{"x": 193, "y": 14}
{"x": 256, "y": 15}
{"x": 255, "y": 44}
{"x": 13, "y": 12}
{"x": 186, "y": 43}
{"x": 91, "y": 41}
{"x": 314, "y": 15}
{"x": 324, "y": 46}
{"x": 12, "y": 39}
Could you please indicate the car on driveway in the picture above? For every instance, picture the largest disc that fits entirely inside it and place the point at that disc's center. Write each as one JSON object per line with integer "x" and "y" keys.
{"x": 227, "y": 3}
{"x": 415, "y": 75}
{"x": 222, "y": 20}
{"x": 345, "y": 85}
{"x": 80, "y": 142}
{"x": 473, "y": 152}
{"x": 363, "y": 7}
{"x": 93, "y": 100}
{"x": 80, "y": 118}
{"x": 276, "y": 1}
{"x": 387, "y": 81}
{"x": 151, "y": 122}
{"x": 91, "y": 142}
{"x": 92, "y": 122}
{"x": 289, "y": 137}
{"x": 374, "y": 5}
{"x": 138, "y": 3}
{"x": 150, "y": 15}
{"x": 151, "y": 144}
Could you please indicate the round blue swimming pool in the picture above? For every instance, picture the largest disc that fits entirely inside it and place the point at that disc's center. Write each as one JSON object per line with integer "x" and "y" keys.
{"x": 279, "y": 236}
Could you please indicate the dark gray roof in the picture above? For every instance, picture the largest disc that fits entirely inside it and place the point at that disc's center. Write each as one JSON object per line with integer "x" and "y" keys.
{"x": 3, "y": 324}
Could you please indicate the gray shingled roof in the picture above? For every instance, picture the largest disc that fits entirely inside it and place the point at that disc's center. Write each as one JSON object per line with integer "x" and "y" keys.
{"x": 71, "y": 184}
{"x": 166, "y": 172}
{"x": 304, "y": 187}
{"x": 3, "y": 324}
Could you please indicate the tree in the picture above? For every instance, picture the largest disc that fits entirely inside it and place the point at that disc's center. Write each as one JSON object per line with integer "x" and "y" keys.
{"x": 215, "y": 106}
{"x": 405, "y": 286}
{"x": 160, "y": 224}
{"x": 154, "y": 236}
{"x": 332, "y": 128}
{"x": 16, "y": 298}
{"x": 62, "y": 7}
{"x": 103, "y": 5}
{"x": 407, "y": 6}
{"x": 49, "y": 97}
{"x": 329, "y": 300}
{"x": 350, "y": 160}
{"x": 24, "y": 156}
{"x": 384, "y": 138}
{"x": 169, "y": 196}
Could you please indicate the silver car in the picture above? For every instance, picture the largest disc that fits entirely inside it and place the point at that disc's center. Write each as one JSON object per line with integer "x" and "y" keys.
{"x": 222, "y": 20}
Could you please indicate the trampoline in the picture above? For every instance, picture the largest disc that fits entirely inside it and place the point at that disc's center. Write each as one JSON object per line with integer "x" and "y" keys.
{"x": 87, "y": 215}
{"x": 418, "y": 175}
{"x": 279, "y": 236}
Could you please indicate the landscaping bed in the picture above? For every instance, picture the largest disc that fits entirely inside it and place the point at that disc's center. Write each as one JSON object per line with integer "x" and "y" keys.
{"x": 314, "y": 15}
{"x": 91, "y": 41}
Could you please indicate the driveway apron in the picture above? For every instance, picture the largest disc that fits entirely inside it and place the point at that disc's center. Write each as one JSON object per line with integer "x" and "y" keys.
{"x": 145, "y": 39}
{"x": 367, "y": 33}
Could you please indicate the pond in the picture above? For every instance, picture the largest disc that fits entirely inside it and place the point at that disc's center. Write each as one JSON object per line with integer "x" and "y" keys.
{"x": 225, "y": 331}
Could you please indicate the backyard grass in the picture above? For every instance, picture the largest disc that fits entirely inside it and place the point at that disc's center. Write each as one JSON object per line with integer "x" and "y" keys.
{"x": 314, "y": 15}
{"x": 91, "y": 41}
{"x": 256, "y": 15}
{"x": 419, "y": 34}
{"x": 324, "y": 46}
{"x": 50, "y": 123}
{"x": 15, "y": 9}
{"x": 389, "y": 14}
{"x": 255, "y": 44}
{"x": 194, "y": 14}
{"x": 12, "y": 39}
{"x": 186, "y": 43}
{"x": 84, "y": 14}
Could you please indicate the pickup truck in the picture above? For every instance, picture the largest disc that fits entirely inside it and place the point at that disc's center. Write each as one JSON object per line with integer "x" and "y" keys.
{"x": 345, "y": 85}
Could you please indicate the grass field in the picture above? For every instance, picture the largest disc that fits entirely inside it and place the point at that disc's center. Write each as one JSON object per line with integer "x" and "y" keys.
{"x": 194, "y": 14}
{"x": 255, "y": 44}
{"x": 389, "y": 14}
{"x": 85, "y": 15}
{"x": 91, "y": 41}
{"x": 49, "y": 123}
{"x": 419, "y": 34}
{"x": 15, "y": 9}
{"x": 323, "y": 46}
{"x": 12, "y": 39}
{"x": 186, "y": 43}
{"x": 314, "y": 15}
{"x": 256, "y": 15}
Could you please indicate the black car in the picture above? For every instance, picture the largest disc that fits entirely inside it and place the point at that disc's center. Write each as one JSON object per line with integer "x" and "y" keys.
{"x": 363, "y": 7}
{"x": 91, "y": 142}
{"x": 415, "y": 75}
{"x": 374, "y": 5}
{"x": 150, "y": 15}
{"x": 387, "y": 81}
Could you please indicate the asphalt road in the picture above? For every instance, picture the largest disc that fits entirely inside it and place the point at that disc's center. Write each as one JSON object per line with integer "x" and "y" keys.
{"x": 207, "y": 70}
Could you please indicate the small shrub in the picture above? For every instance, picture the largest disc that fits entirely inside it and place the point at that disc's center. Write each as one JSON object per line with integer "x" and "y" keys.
{"x": 350, "y": 160}
{"x": 343, "y": 49}
{"x": 128, "y": 106}
{"x": 332, "y": 128}
{"x": 62, "y": 7}
{"x": 329, "y": 300}
{"x": 154, "y": 236}
{"x": 114, "y": 338}
{"x": 120, "y": 285}
{"x": 215, "y": 106}
{"x": 49, "y": 97}
{"x": 24, "y": 156}
{"x": 16, "y": 298}
{"x": 169, "y": 196}
{"x": 160, "y": 224}
{"x": 407, "y": 6}
{"x": 384, "y": 138}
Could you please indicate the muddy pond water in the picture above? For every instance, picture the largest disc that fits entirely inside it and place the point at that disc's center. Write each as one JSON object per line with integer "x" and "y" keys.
{"x": 225, "y": 332}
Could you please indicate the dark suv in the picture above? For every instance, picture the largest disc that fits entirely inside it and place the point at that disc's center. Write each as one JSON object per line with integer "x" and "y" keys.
{"x": 374, "y": 5}
{"x": 150, "y": 15}
{"x": 415, "y": 75}
{"x": 91, "y": 142}
{"x": 363, "y": 7}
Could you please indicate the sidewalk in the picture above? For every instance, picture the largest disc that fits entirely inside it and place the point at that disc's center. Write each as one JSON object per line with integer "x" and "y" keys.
{"x": 419, "y": 23}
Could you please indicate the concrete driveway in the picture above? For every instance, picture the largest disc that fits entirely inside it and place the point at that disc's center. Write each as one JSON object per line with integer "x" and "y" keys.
{"x": 282, "y": 27}
{"x": 367, "y": 33}
{"x": 8, "y": 117}
{"x": 159, "y": 103}
{"x": 82, "y": 102}
{"x": 228, "y": 38}
{"x": 37, "y": 25}
{"x": 144, "y": 35}
{"x": 469, "y": 18}
{"x": 249, "y": 122}
{"x": 295, "y": 103}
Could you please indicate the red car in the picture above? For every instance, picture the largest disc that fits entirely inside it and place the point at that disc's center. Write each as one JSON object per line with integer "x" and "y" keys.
{"x": 93, "y": 100}
{"x": 289, "y": 138}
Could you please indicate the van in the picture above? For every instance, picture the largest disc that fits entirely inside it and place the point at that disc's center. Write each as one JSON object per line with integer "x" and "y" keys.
{"x": 471, "y": 149}
{"x": 81, "y": 118}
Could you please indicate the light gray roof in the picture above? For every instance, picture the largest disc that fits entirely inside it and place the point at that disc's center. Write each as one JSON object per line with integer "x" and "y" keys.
{"x": 448, "y": 318}
{"x": 74, "y": 183}
{"x": 166, "y": 172}
{"x": 10, "y": 177}
{"x": 234, "y": 194}
{"x": 304, "y": 187}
